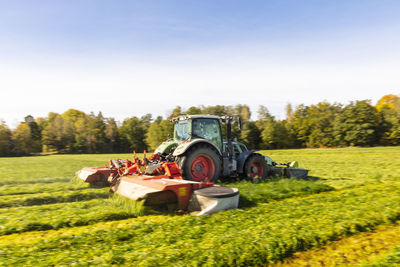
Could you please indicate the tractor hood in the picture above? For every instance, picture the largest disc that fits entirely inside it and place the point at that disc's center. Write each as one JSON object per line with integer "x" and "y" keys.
{"x": 166, "y": 147}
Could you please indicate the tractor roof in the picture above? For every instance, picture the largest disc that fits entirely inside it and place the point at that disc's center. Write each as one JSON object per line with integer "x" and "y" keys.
{"x": 199, "y": 116}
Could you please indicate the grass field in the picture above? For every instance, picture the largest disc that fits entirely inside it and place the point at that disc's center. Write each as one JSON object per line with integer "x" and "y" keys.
{"x": 348, "y": 206}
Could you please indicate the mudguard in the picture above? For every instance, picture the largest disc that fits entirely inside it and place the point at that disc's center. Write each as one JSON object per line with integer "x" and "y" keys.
{"x": 183, "y": 147}
{"x": 166, "y": 147}
{"x": 242, "y": 159}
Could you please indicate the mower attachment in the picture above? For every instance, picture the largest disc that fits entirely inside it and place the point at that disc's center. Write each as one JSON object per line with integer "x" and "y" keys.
{"x": 96, "y": 175}
{"x": 159, "y": 183}
{"x": 158, "y": 190}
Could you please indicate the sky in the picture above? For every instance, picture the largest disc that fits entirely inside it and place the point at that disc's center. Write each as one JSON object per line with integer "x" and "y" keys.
{"x": 130, "y": 58}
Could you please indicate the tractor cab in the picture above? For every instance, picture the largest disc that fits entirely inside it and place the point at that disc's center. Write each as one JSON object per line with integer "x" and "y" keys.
{"x": 194, "y": 127}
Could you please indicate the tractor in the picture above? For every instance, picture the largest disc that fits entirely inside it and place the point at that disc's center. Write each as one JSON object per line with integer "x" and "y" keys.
{"x": 202, "y": 153}
{"x": 185, "y": 168}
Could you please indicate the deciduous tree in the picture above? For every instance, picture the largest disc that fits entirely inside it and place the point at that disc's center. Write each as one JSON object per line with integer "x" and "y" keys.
{"x": 5, "y": 140}
{"x": 357, "y": 124}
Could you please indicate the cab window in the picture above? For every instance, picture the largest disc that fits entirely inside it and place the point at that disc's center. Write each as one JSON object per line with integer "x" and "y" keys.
{"x": 243, "y": 148}
{"x": 208, "y": 129}
{"x": 181, "y": 130}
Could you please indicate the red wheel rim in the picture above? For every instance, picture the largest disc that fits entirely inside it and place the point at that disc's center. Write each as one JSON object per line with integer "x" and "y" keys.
{"x": 256, "y": 170}
{"x": 202, "y": 168}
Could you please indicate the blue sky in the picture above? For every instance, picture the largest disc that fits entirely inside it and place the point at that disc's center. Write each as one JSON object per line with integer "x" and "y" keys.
{"x": 128, "y": 58}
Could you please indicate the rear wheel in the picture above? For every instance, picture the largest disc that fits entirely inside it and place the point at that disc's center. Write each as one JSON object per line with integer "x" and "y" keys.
{"x": 200, "y": 164}
{"x": 255, "y": 168}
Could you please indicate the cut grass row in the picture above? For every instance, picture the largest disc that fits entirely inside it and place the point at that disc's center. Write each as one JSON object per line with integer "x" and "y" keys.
{"x": 23, "y": 189}
{"x": 270, "y": 190}
{"x": 258, "y": 235}
{"x": 388, "y": 260}
{"x": 60, "y": 215}
{"x": 52, "y": 197}
{"x": 364, "y": 247}
{"x": 54, "y": 216}
{"x": 251, "y": 194}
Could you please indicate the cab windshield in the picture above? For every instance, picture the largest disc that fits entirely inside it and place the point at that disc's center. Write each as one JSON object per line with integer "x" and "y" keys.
{"x": 181, "y": 130}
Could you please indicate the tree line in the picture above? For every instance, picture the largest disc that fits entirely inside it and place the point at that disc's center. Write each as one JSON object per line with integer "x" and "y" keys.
{"x": 321, "y": 125}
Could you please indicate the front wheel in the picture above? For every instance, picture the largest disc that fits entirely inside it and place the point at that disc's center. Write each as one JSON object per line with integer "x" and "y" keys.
{"x": 255, "y": 168}
{"x": 201, "y": 164}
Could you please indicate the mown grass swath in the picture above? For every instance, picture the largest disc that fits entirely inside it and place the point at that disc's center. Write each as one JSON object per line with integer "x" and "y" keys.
{"x": 23, "y": 189}
{"x": 390, "y": 259}
{"x": 255, "y": 236}
{"x": 350, "y": 251}
{"x": 88, "y": 212}
{"x": 55, "y": 216}
{"x": 276, "y": 189}
{"x": 49, "y": 198}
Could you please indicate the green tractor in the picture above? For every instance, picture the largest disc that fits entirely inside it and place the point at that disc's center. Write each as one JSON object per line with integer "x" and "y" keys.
{"x": 202, "y": 153}
{"x": 199, "y": 153}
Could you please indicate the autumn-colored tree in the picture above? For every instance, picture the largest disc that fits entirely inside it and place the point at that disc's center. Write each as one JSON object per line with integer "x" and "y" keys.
{"x": 390, "y": 102}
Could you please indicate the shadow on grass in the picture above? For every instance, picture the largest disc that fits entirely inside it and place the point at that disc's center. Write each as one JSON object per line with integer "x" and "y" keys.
{"x": 316, "y": 178}
{"x": 340, "y": 179}
{"x": 245, "y": 203}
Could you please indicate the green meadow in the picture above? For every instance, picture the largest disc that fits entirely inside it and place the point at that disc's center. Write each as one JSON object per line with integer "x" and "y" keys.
{"x": 46, "y": 219}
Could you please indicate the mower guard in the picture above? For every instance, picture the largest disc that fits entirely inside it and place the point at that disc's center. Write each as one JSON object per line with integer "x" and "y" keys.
{"x": 158, "y": 190}
{"x": 95, "y": 174}
{"x": 289, "y": 172}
